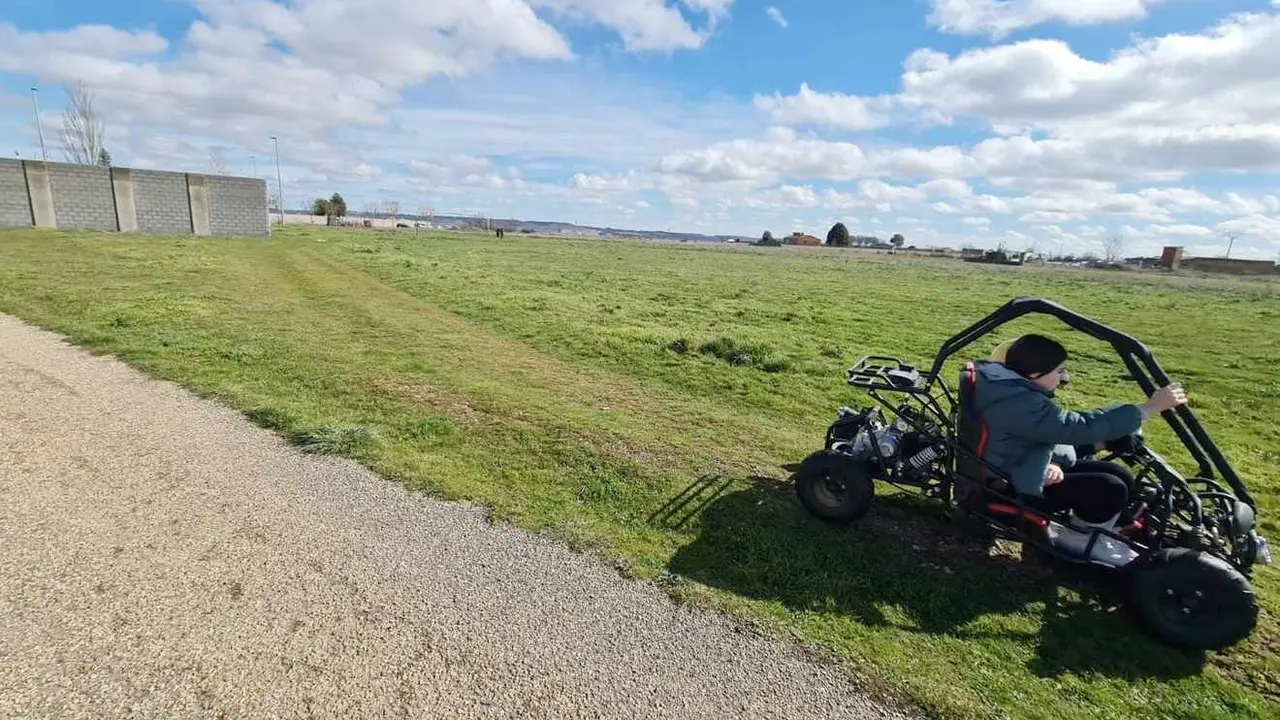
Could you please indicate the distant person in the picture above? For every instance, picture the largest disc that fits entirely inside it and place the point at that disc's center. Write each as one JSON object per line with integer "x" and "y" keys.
{"x": 1032, "y": 441}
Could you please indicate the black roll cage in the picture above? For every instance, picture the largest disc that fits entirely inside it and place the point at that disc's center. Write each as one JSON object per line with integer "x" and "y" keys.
{"x": 1137, "y": 358}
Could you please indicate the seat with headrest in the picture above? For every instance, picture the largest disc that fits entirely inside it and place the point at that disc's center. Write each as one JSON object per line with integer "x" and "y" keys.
{"x": 972, "y": 433}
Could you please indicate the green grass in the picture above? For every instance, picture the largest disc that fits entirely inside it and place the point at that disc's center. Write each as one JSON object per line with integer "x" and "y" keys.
{"x": 638, "y": 400}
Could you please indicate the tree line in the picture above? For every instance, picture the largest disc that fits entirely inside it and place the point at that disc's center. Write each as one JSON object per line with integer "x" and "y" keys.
{"x": 838, "y": 236}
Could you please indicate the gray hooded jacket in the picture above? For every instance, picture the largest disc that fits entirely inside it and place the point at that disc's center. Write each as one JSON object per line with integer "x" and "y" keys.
{"x": 1026, "y": 430}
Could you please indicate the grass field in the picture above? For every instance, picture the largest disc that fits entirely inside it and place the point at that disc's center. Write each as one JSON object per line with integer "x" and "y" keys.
{"x": 638, "y": 400}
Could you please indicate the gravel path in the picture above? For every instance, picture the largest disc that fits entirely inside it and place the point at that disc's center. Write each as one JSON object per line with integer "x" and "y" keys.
{"x": 162, "y": 557}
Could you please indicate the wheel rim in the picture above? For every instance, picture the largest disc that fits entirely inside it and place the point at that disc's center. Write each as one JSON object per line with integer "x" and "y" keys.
{"x": 1186, "y": 606}
{"x": 829, "y": 491}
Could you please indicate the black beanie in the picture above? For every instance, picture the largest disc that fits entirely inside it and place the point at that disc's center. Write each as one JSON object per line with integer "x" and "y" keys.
{"x": 1034, "y": 355}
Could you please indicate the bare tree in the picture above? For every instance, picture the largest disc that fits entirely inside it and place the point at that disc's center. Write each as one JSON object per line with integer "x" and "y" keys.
{"x": 1113, "y": 249}
{"x": 217, "y": 161}
{"x": 82, "y": 128}
{"x": 392, "y": 208}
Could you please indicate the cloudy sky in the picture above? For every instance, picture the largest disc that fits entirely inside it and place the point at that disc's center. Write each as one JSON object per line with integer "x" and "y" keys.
{"x": 1046, "y": 123}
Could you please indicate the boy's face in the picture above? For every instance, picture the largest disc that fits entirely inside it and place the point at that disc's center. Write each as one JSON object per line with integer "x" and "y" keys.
{"x": 1053, "y": 379}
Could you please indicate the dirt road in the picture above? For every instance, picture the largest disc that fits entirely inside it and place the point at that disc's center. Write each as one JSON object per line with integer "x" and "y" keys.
{"x": 162, "y": 557}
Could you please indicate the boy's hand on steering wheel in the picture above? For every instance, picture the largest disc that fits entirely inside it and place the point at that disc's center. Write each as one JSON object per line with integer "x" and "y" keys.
{"x": 1053, "y": 475}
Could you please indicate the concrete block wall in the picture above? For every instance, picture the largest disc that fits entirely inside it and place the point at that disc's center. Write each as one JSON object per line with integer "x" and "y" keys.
{"x": 89, "y": 197}
{"x": 237, "y": 206}
{"x": 82, "y": 197}
{"x": 15, "y": 203}
{"x": 160, "y": 200}
{"x": 1230, "y": 266}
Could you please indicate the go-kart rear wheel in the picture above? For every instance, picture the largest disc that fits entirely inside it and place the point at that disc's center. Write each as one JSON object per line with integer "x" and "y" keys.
{"x": 834, "y": 487}
{"x": 1192, "y": 599}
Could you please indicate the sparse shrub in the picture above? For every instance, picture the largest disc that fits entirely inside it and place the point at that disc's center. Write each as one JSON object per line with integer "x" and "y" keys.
{"x": 433, "y": 428}
{"x": 744, "y": 355}
{"x": 347, "y": 440}
{"x": 271, "y": 418}
{"x": 775, "y": 364}
{"x": 679, "y": 346}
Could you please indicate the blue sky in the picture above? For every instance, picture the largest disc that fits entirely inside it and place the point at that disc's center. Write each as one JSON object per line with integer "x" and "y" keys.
{"x": 1053, "y": 124}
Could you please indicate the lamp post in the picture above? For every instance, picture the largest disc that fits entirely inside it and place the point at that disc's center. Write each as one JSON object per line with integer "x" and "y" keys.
{"x": 39, "y": 128}
{"x": 279, "y": 181}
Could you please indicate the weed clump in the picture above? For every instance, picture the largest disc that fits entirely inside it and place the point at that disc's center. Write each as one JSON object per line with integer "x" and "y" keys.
{"x": 745, "y": 354}
{"x": 347, "y": 440}
{"x": 433, "y": 429}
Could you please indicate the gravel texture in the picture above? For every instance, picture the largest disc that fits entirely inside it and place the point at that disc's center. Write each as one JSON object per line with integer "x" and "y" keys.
{"x": 163, "y": 557}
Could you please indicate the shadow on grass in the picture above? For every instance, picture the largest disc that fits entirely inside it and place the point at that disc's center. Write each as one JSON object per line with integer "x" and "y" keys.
{"x": 905, "y": 567}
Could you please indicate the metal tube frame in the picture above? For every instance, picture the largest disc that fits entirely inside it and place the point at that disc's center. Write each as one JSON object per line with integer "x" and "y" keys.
{"x": 1137, "y": 358}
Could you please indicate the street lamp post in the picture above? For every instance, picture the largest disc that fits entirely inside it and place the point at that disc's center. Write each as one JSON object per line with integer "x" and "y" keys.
{"x": 279, "y": 181}
{"x": 39, "y": 127}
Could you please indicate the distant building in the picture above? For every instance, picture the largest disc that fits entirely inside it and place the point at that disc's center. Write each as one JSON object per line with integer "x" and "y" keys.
{"x": 1229, "y": 266}
{"x": 1173, "y": 259}
{"x": 802, "y": 239}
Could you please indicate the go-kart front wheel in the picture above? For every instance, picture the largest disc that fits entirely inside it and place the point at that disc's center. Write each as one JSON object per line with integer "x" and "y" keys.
{"x": 834, "y": 487}
{"x": 1192, "y": 599}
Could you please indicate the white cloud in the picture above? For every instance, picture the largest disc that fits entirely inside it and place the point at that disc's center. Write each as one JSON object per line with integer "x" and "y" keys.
{"x": 1008, "y": 161}
{"x": 784, "y": 153}
{"x": 461, "y": 170}
{"x": 998, "y": 18}
{"x": 780, "y": 198}
{"x": 101, "y": 42}
{"x": 981, "y": 222}
{"x": 781, "y": 152}
{"x": 776, "y": 15}
{"x": 1158, "y": 109}
{"x": 1218, "y": 77}
{"x": 610, "y": 184}
{"x": 947, "y": 188}
{"x": 714, "y": 8}
{"x": 415, "y": 41}
{"x": 642, "y": 24}
{"x": 1180, "y": 230}
{"x": 1042, "y": 217}
{"x": 836, "y": 200}
{"x": 880, "y": 192}
{"x": 807, "y": 107}
{"x": 989, "y": 203}
{"x": 249, "y": 65}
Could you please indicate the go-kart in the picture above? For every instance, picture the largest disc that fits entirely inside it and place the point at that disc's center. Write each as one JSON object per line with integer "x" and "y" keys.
{"x": 1186, "y": 552}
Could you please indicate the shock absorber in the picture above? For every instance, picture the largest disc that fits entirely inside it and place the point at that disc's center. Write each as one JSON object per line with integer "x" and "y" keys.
{"x": 921, "y": 460}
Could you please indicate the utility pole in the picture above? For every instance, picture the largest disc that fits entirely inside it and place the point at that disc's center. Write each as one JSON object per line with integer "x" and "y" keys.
{"x": 39, "y": 127}
{"x": 1231, "y": 240}
{"x": 279, "y": 181}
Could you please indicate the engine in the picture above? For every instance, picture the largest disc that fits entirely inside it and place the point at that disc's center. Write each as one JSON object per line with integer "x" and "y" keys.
{"x": 910, "y": 444}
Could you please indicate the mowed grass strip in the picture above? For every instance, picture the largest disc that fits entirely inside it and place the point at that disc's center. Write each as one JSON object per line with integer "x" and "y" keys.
{"x": 638, "y": 399}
